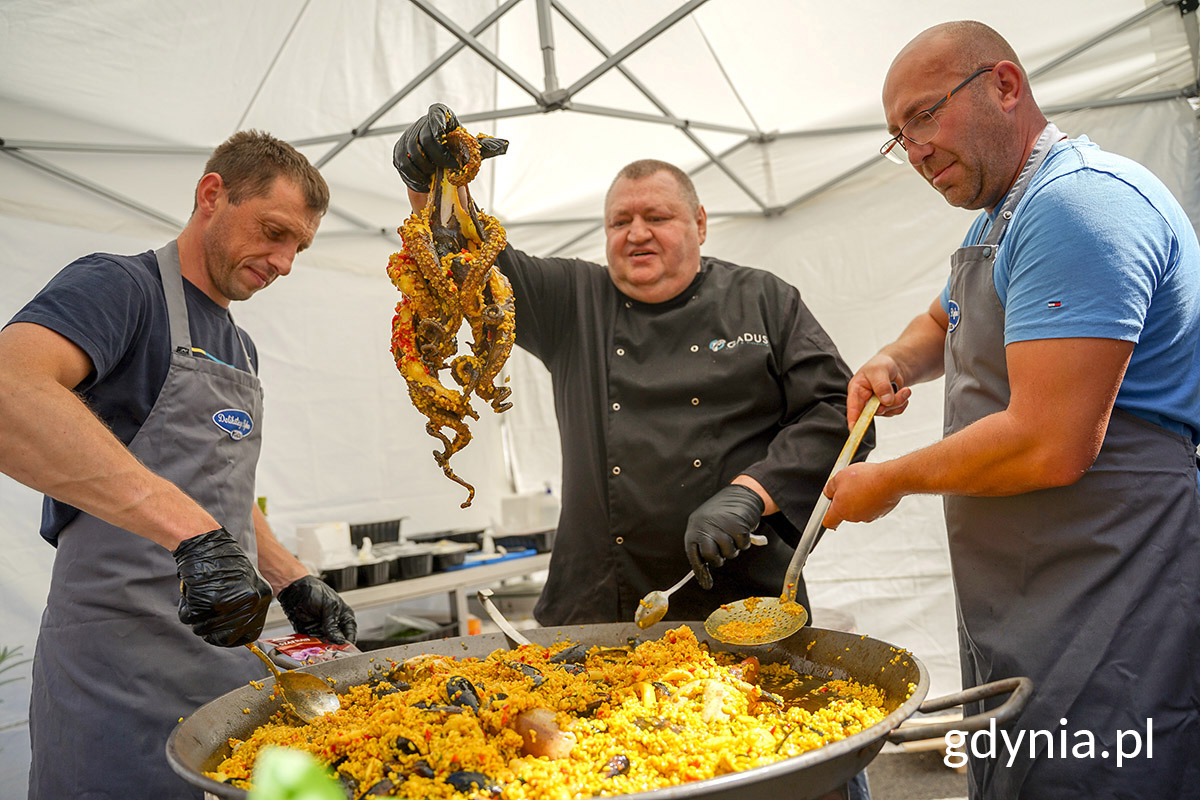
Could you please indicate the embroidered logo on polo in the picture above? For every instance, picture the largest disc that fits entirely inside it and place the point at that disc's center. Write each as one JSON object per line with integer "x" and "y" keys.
{"x": 235, "y": 422}
{"x": 955, "y": 316}
{"x": 760, "y": 339}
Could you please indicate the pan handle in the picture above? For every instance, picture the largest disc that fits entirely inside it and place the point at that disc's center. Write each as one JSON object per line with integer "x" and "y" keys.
{"x": 1020, "y": 687}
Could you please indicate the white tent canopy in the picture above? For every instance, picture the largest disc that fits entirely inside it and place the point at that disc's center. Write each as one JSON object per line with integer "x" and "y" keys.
{"x": 108, "y": 110}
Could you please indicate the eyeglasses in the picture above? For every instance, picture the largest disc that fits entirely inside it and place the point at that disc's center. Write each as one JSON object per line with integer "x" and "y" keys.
{"x": 922, "y": 127}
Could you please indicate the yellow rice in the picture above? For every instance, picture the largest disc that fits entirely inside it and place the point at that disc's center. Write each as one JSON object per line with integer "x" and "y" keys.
{"x": 675, "y": 711}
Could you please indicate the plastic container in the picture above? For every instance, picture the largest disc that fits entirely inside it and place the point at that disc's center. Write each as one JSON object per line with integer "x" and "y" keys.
{"x": 387, "y": 530}
{"x": 341, "y": 578}
{"x": 458, "y": 535}
{"x": 443, "y": 560}
{"x": 449, "y": 554}
{"x": 414, "y": 565}
{"x": 407, "y": 560}
{"x": 542, "y": 541}
{"x": 374, "y": 573}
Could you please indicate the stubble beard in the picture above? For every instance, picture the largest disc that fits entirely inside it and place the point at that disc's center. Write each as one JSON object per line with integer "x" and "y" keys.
{"x": 218, "y": 263}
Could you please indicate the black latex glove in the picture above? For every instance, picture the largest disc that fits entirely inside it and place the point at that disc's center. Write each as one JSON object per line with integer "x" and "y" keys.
{"x": 422, "y": 148}
{"x": 222, "y": 597}
{"x": 315, "y": 609}
{"x": 720, "y": 529}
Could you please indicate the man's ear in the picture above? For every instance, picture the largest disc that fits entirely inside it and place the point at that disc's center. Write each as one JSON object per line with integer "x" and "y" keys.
{"x": 702, "y": 223}
{"x": 210, "y": 188}
{"x": 1010, "y": 84}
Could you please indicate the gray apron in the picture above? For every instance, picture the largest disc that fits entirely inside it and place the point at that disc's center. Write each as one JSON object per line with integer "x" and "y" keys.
{"x": 1091, "y": 590}
{"x": 115, "y": 669}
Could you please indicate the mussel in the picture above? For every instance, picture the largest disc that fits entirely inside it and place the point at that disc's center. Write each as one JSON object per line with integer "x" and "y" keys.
{"x": 461, "y": 692}
{"x": 466, "y": 781}
{"x": 406, "y": 746}
{"x": 383, "y": 788}
{"x": 575, "y": 654}
{"x": 531, "y": 672}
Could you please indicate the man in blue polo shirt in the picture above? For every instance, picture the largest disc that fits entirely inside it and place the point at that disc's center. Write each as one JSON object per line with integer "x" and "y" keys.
{"x": 1068, "y": 334}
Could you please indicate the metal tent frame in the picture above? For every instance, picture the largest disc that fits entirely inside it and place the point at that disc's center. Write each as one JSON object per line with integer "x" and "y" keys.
{"x": 553, "y": 98}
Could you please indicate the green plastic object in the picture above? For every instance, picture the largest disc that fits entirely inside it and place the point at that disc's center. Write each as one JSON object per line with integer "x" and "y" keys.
{"x": 286, "y": 774}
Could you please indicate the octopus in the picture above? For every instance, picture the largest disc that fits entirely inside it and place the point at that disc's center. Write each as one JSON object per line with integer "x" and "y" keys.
{"x": 447, "y": 273}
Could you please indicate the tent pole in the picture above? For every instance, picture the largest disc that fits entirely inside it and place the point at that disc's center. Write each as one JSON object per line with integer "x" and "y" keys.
{"x": 1191, "y": 27}
{"x": 481, "y": 51}
{"x": 667, "y": 119}
{"x": 480, "y": 116}
{"x": 363, "y": 127}
{"x": 122, "y": 149}
{"x": 1090, "y": 43}
{"x": 546, "y": 41}
{"x": 271, "y": 67}
{"x": 1155, "y": 97}
{"x": 95, "y": 188}
{"x": 682, "y": 125}
{"x": 631, "y": 48}
{"x": 599, "y": 223}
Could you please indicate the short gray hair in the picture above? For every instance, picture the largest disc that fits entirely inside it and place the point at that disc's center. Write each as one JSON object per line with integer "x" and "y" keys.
{"x": 646, "y": 167}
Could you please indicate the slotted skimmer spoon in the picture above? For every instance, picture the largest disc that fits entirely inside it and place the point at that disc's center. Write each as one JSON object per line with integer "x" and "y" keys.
{"x": 762, "y": 620}
{"x": 653, "y": 607}
{"x": 308, "y": 695}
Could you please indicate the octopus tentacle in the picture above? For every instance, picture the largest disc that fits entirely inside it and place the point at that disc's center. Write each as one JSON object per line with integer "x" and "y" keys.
{"x": 447, "y": 273}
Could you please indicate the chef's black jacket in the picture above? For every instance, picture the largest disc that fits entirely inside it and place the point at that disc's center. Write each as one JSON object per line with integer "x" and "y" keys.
{"x": 659, "y": 406}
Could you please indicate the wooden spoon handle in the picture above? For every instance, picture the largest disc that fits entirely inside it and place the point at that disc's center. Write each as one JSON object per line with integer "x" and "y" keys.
{"x": 809, "y": 537}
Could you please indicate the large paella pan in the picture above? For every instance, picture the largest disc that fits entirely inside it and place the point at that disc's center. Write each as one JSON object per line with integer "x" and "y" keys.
{"x": 201, "y": 741}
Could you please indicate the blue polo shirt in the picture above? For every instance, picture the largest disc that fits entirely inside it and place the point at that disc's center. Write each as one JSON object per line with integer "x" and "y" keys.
{"x": 1099, "y": 248}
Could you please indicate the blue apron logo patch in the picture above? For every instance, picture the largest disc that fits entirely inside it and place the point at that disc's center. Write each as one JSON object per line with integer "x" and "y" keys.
{"x": 955, "y": 315}
{"x": 236, "y": 423}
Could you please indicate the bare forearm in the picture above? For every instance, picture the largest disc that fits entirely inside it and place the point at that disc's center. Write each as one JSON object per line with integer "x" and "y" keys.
{"x": 769, "y": 505}
{"x": 994, "y": 457}
{"x": 919, "y": 350}
{"x": 277, "y": 565}
{"x": 51, "y": 442}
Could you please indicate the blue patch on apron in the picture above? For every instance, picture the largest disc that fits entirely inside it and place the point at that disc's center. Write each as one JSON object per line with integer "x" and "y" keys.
{"x": 955, "y": 314}
{"x": 236, "y": 423}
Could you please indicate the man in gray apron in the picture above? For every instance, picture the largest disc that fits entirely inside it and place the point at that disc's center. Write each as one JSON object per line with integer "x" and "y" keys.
{"x": 150, "y": 485}
{"x": 1070, "y": 341}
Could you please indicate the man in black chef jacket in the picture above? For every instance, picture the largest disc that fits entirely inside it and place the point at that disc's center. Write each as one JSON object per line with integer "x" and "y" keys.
{"x": 695, "y": 399}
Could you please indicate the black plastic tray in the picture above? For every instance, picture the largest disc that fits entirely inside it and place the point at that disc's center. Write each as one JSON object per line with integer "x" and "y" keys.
{"x": 387, "y": 530}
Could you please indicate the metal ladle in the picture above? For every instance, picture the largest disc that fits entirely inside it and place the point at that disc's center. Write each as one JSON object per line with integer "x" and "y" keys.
{"x": 762, "y": 620}
{"x": 308, "y": 695}
{"x": 653, "y": 607}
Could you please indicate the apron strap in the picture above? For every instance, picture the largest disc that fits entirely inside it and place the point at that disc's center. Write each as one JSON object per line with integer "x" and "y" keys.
{"x": 172, "y": 281}
{"x": 177, "y": 316}
{"x": 251, "y": 367}
{"x": 1041, "y": 148}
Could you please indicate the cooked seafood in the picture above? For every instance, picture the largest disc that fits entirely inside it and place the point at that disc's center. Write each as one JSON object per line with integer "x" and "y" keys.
{"x": 526, "y": 724}
{"x": 447, "y": 274}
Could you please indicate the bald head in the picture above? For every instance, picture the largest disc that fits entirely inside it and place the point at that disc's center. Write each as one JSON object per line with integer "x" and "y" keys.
{"x": 961, "y": 47}
{"x": 984, "y": 130}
